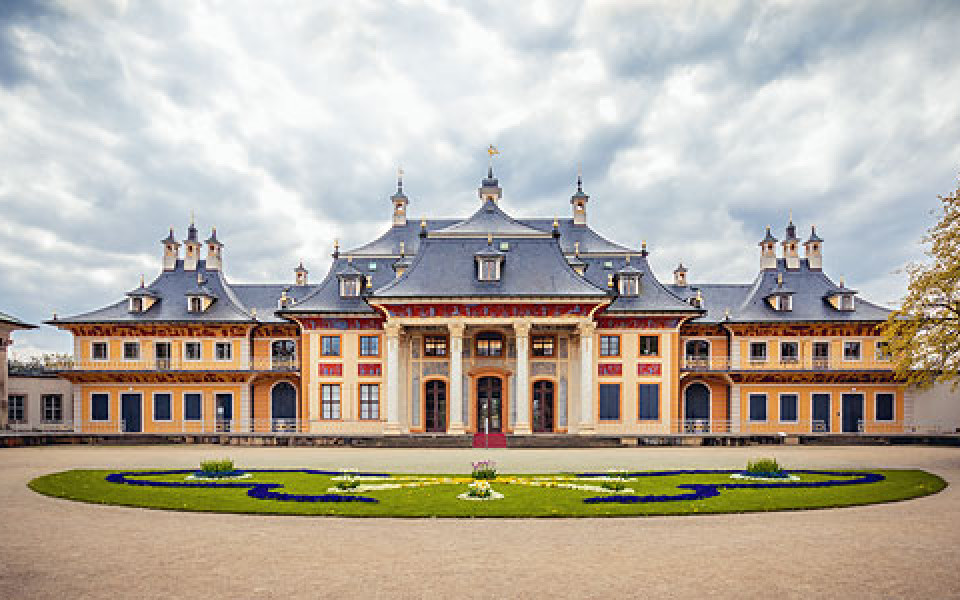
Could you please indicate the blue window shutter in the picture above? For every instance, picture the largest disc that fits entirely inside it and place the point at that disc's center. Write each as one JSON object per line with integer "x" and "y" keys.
{"x": 609, "y": 401}
{"x": 649, "y": 401}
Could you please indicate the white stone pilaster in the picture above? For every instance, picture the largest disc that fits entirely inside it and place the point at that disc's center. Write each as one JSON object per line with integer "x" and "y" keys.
{"x": 668, "y": 377}
{"x": 734, "y": 409}
{"x": 522, "y": 399}
{"x": 455, "y": 400}
{"x": 586, "y": 378}
{"x": 393, "y": 378}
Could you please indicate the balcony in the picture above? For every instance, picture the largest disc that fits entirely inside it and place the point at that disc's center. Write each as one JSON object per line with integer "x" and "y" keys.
{"x": 705, "y": 363}
{"x": 284, "y": 364}
{"x": 806, "y": 363}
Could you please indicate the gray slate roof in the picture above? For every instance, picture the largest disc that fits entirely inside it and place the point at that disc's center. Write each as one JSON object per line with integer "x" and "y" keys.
{"x": 445, "y": 267}
{"x": 11, "y": 320}
{"x": 489, "y": 219}
{"x": 172, "y": 287}
{"x": 746, "y": 302}
{"x": 653, "y": 296}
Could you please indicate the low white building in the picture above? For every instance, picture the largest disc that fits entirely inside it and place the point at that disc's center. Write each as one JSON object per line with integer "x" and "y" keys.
{"x": 38, "y": 400}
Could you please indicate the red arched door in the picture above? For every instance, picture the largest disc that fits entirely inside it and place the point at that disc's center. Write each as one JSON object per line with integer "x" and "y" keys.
{"x": 435, "y": 412}
{"x": 543, "y": 407}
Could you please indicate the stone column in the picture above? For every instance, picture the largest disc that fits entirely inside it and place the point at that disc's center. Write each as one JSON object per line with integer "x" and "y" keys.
{"x": 455, "y": 397}
{"x": 522, "y": 329}
{"x": 393, "y": 378}
{"x": 587, "y": 367}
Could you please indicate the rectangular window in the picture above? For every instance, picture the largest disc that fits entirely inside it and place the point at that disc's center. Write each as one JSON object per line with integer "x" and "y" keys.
{"x": 435, "y": 345}
{"x": 99, "y": 407}
{"x": 885, "y": 407}
{"x": 758, "y": 407}
{"x": 99, "y": 351}
{"x": 191, "y": 351}
{"x": 16, "y": 408}
{"x": 649, "y": 345}
{"x": 789, "y": 352}
{"x": 131, "y": 351}
{"x": 489, "y": 344}
{"x": 161, "y": 407}
{"x": 609, "y": 402}
{"x": 851, "y": 351}
{"x": 609, "y": 345}
{"x": 192, "y": 407}
{"x": 52, "y": 405}
{"x": 223, "y": 351}
{"x": 369, "y": 345}
{"x": 788, "y": 407}
{"x": 488, "y": 269}
{"x": 846, "y": 302}
{"x": 648, "y": 401}
{"x": 330, "y": 345}
{"x": 543, "y": 345}
{"x": 883, "y": 351}
{"x": 821, "y": 351}
{"x": 330, "y": 401}
{"x": 758, "y": 351}
{"x": 369, "y": 401}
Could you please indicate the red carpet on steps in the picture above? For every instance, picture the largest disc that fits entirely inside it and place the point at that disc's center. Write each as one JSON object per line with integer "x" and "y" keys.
{"x": 496, "y": 440}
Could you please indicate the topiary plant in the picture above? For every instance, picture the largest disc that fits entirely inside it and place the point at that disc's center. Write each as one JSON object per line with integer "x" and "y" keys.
{"x": 765, "y": 467}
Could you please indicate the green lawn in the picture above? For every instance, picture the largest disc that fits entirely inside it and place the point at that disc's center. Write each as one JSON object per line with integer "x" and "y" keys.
{"x": 521, "y": 499}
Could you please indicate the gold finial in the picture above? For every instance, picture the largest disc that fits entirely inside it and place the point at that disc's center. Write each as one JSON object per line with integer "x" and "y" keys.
{"x": 253, "y": 312}
{"x": 643, "y": 244}
{"x": 199, "y": 278}
{"x": 699, "y": 296}
{"x": 141, "y": 279}
{"x": 349, "y": 260}
{"x": 402, "y": 248}
{"x": 779, "y": 278}
{"x": 490, "y": 239}
{"x": 576, "y": 249}
{"x": 841, "y": 281}
{"x": 336, "y": 243}
{"x": 556, "y": 223}
{"x": 191, "y": 217}
{"x": 491, "y": 150}
{"x": 628, "y": 259}
{"x": 790, "y": 215}
{"x": 423, "y": 223}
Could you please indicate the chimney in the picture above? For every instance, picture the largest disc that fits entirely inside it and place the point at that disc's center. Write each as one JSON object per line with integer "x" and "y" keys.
{"x": 680, "y": 276}
{"x": 171, "y": 252}
{"x": 300, "y": 274}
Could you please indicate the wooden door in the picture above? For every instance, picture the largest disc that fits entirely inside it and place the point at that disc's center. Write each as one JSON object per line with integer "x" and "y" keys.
{"x": 543, "y": 407}
{"x": 435, "y": 410}
{"x": 489, "y": 405}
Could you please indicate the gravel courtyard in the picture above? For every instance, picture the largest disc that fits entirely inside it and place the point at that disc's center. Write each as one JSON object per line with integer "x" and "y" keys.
{"x": 56, "y": 548}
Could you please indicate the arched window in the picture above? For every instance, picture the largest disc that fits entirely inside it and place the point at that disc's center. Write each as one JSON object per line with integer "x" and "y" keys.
{"x": 489, "y": 343}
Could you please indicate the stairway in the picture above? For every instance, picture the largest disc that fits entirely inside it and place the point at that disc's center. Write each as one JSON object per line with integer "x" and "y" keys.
{"x": 489, "y": 440}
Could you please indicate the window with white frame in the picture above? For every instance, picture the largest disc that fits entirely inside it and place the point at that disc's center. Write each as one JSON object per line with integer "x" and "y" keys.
{"x": 131, "y": 351}
{"x": 758, "y": 407}
{"x": 99, "y": 407}
{"x": 789, "y": 352}
{"x": 846, "y": 302}
{"x": 51, "y": 408}
{"x": 98, "y": 350}
{"x": 821, "y": 352}
{"x": 223, "y": 350}
{"x": 851, "y": 351}
{"x": 758, "y": 351}
{"x": 195, "y": 304}
{"x": 191, "y": 351}
{"x": 488, "y": 269}
{"x": 369, "y": 401}
{"x": 16, "y": 408}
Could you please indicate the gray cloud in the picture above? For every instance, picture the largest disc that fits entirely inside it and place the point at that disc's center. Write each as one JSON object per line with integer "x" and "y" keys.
{"x": 282, "y": 124}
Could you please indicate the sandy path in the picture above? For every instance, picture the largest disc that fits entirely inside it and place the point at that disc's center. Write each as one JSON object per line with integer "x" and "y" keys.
{"x": 59, "y": 549}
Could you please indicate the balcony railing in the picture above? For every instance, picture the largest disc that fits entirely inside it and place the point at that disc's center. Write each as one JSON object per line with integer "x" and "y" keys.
{"x": 807, "y": 363}
{"x": 173, "y": 364}
{"x": 705, "y": 363}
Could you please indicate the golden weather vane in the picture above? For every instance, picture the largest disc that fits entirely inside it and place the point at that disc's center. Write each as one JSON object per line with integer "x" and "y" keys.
{"x": 492, "y": 150}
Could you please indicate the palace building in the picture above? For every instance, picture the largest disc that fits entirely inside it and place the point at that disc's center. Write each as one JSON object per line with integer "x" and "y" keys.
{"x": 487, "y": 323}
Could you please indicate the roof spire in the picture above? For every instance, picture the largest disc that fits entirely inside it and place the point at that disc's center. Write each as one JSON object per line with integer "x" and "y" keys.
{"x": 399, "y": 181}
{"x": 579, "y": 178}
{"x": 643, "y": 249}
{"x": 141, "y": 280}
{"x": 336, "y": 248}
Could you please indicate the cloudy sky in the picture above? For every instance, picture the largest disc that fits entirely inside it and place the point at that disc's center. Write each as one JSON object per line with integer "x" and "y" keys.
{"x": 282, "y": 124}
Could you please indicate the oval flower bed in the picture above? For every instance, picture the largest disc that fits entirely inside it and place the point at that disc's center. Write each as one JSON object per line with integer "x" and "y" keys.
{"x": 622, "y": 493}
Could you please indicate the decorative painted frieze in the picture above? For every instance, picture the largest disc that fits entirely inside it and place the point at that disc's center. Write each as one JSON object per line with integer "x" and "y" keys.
{"x": 637, "y": 322}
{"x": 647, "y": 369}
{"x": 501, "y": 310}
{"x": 330, "y": 370}
{"x": 276, "y": 331}
{"x": 807, "y": 329}
{"x": 815, "y": 377}
{"x": 369, "y": 370}
{"x": 127, "y": 377}
{"x": 609, "y": 369}
{"x": 361, "y": 323}
{"x": 160, "y": 330}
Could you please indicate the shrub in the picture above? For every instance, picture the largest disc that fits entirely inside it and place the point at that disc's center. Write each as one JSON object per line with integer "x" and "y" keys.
{"x": 485, "y": 469}
{"x": 349, "y": 484}
{"x": 479, "y": 489}
{"x": 614, "y": 485}
{"x": 764, "y": 466}
{"x": 217, "y": 468}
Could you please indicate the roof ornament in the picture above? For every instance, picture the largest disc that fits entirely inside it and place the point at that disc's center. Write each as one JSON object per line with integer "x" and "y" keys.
{"x": 492, "y": 150}
{"x": 841, "y": 282}
{"x": 556, "y": 227}
{"x": 490, "y": 239}
{"x": 779, "y": 279}
{"x": 628, "y": 259}
{"x": 726, "y": 314}
{"x": 423, "y": 228}
{"x": 253, "y": 312}
{"x": 336, "y": 248}
{"x": 579, "y": 178}
{"x": 399, "y": 181}
{"x": 403, "y": 247}
{"x": 643, "y": 249}
{"x": 141, "y": 280}
{"x": 576, "y": 249}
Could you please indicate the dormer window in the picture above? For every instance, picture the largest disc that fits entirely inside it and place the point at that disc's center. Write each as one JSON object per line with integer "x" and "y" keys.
{"x": 846, "y": 302}
{"x": 136, "y": 304}
{"x": 782, "y": 302}
{"x": 488, "y": 269}
{"x": 195, "y": 304}
{"x": 349, "y": 286}
{"x": 629, "y": 285}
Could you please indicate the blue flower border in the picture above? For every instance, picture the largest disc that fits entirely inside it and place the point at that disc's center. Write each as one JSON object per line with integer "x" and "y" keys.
{"x": 258, "y": 491}
{"x": 711, "y": 490}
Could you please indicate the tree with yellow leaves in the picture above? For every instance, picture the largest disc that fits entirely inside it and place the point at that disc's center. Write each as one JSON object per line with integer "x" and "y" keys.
{"x": 924, "y": 334}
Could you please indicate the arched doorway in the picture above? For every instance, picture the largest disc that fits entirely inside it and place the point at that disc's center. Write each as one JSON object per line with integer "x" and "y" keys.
{"x": 435, "y": 409}
{"x": 283, "y": 406}
{"x": 543, "y": 407}
{"x": 489, "y": 404}
{"x": 696, "y": 407}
